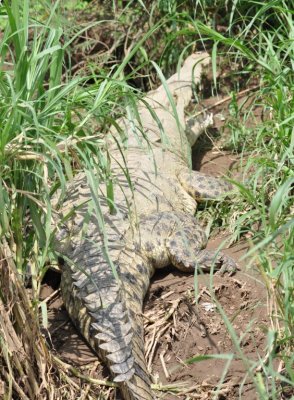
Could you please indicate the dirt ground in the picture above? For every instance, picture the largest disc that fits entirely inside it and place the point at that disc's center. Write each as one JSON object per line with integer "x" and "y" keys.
{"x": 180, "y": 324}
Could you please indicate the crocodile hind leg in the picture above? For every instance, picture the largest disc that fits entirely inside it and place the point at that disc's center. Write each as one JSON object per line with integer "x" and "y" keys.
{"x": 177, "y": 238}
{"x": 202, "y": 259}
{"x": 186, "y": 250}
{"x": 203, "y": 187}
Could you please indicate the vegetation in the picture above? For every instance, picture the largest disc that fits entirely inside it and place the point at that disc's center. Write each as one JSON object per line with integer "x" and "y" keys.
{"x": 53, "y": 122}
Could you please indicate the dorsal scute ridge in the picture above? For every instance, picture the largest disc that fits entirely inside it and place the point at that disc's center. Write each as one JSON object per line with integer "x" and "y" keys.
{"x": 125, "y": 377}
{"x": 120, "y": 355}
{"x": 115, "y": 330}
{"x": 123, "y": 367}
{"x": 117, "y": 343}
{"x": 114, "y": 335}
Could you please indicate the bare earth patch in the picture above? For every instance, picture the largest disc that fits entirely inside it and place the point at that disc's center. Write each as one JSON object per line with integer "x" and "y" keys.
{"x": 197, "y": 330}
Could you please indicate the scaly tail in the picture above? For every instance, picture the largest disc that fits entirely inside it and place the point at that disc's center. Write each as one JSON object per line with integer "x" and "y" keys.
{"x": 108, "y": 312}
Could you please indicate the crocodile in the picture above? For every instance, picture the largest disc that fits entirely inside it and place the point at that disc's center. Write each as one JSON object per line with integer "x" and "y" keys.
{"x": 110, "y": 253}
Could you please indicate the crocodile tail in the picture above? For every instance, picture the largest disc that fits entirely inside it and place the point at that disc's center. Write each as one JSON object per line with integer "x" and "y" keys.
{"x": 110, "y": 320}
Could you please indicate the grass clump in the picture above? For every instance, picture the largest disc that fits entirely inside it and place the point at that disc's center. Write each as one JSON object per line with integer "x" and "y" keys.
{"x": 51, "y": 126}
{"x": 264, "y": 207}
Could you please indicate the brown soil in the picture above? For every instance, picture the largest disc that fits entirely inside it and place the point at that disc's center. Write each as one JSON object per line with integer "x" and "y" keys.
{"x": 197, "y": 330}
{"x": 179, "y": 328}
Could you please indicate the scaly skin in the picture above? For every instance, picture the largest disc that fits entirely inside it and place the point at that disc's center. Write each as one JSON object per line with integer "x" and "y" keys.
{"x": 153, "y": 226}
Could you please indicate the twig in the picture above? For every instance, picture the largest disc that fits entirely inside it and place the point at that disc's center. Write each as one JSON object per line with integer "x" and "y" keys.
{"x": 17, "y": 388}
{"x": 155, "y": 344}
{"x": 49, "y": 298}
{"x": 87, "y": 389}
{"x": 86, "y": 378}
{"x": 166, "y": 317}
{"x": 224, "y": 100}
{"x": 164, "y": 296}
{"x": 145, "y": 316}
{"x": 161, "y": 356}
{"x": 69, "y": 380}
{"x": 59, "y": 326}
{"x": 263, "y": 363}
{"x": 173, "y": 387}
{"x": 151, "y": 343}
{"x": 203, "y": 291}
{"x": 173, "y": 308}
{"x": 87, "y": 361}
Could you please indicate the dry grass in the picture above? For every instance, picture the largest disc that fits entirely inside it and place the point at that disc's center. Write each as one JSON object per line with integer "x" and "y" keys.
{"x": 27, "y": 366}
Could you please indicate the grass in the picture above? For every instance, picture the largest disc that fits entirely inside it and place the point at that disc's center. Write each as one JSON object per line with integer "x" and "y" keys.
{"x": 266, "y": 193}
{"x": 53, "y": 124}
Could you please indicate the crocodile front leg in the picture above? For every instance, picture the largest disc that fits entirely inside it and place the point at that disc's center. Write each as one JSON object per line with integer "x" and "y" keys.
{"x": 203, "y": 187}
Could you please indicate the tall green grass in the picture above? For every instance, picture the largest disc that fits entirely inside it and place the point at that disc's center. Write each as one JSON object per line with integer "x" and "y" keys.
{"x": 263, "y": 40}
{"x": 51, "y": 125}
